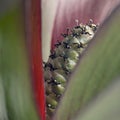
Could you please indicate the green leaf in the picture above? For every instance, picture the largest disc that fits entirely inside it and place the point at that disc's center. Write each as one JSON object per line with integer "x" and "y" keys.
{"x": 16, "y": 94}
{"x": 105, "y": 107}
{"x": 3, "y": 112}
{"x": 97, "y": 67}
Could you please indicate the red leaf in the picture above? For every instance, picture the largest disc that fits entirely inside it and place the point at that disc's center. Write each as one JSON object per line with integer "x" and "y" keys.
{"x": 33, "y": 31}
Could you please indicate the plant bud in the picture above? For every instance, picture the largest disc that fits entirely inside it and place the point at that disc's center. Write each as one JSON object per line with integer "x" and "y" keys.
{"x": 63, "y": 60}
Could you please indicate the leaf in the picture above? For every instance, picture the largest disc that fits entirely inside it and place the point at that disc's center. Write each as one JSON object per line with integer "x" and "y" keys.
{"x": 33, "y": 28}
{"x": 3, "y": 111}
{"x": 105, "y": 107}
{"x": 97, "y": 67}
{"x": 16, "y": 92}
{"x": 49, "y": 8}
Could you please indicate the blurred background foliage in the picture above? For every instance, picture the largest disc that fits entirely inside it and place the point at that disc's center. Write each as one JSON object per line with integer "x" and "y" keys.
{"x": 16, "y": 95}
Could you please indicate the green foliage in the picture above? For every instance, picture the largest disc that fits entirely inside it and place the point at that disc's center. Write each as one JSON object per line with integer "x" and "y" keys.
{"x": 105, "y": 107}
{"x": 16, "y": 95}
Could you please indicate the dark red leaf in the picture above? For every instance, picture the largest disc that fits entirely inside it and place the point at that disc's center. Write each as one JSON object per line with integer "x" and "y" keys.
{"x": 33, "y": 30}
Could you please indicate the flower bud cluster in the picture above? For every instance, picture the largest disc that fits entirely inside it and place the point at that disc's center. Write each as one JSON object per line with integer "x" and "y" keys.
{"x": 62, "y": 61}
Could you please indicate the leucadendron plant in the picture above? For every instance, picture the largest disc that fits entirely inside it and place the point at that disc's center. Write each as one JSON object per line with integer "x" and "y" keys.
{"x": 59, "y": 60}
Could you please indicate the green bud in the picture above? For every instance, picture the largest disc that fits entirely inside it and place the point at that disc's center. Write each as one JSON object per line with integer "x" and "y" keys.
{"x": 51, "y": 102}
{"x": 72, "y": 54}
{"x": 58, "y": 89}
{"x": 58, "y": 78}
{"x": 69, "y": 64}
